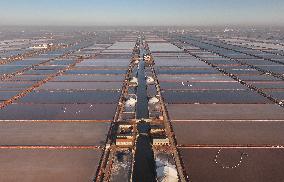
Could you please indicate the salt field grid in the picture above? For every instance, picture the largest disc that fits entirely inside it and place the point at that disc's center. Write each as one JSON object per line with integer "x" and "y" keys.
{"x": 238, "y": 133}
{"x": 57, "y": 105}
{"x": 106, "y": 106}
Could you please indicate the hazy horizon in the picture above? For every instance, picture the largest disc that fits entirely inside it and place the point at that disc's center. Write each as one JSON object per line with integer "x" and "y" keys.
{"x": 141, "y": 13}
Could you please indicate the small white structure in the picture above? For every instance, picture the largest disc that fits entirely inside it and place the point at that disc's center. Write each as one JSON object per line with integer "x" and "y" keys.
{"x": 131, "y": 102}
{"x": 147, "y": 57}
{"x": 123, "y": 142}
{"x": 42, "y": 46}
{"x": 150, "y": 80}
{"x": 157, "y": 128}
{"x": 134, "y": 81}
{"x": 153, "y": 100}
{"x": 228, "y": 30}
{"x": 136, "y": 61}
{"x": 124, "y": 126}
{"x": 161, "y": 141}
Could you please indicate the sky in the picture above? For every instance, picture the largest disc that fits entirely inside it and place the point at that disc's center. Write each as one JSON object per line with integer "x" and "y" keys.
{"x": 141, "y": 12}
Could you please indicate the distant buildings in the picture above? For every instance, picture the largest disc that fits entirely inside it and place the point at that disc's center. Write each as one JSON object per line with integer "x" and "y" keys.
{"x": 41, "y": 46}
{"x": 161, "y": 141}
